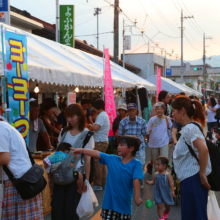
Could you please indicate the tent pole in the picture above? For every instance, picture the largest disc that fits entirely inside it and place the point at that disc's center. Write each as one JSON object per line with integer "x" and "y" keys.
{"x": 3, "y": 60}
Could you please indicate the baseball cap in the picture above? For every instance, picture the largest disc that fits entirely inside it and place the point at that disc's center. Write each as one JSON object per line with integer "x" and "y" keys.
{"x": 132, "y": 105}
{"x": 123, "y": 106}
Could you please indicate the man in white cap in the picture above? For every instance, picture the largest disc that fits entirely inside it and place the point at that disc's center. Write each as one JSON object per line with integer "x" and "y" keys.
{"x": 122, "y": 109}
{"x": 136, "y": 126}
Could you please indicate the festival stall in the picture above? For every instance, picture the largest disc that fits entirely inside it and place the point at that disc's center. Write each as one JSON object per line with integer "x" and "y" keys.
{"x": 173, "y": 87}
{"x": 54, "y": 64}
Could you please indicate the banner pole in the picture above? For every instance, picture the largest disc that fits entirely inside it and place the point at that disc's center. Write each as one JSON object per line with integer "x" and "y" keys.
{"x": 3, "y": 60}
{"x": 103, "y": 80}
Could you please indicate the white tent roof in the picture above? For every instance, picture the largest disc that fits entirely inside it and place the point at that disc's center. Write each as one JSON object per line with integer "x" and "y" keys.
{"x": 197, "y": 93}
{"x": 172, "y": 87}
{"x": 54, "y": 63}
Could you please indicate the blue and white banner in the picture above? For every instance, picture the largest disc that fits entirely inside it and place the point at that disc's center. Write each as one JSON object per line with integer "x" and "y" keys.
{"x": 5, "y": 11}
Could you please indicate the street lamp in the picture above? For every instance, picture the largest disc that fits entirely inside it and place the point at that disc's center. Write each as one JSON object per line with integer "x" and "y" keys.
{"x": 142, "y": 30}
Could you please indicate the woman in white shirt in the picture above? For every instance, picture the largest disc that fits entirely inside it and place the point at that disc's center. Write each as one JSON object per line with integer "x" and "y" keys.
{"x": 192, "y": 175}
{"x": 13, "y": 154}
{"x": 212, "y": 107}
{"x": 66, "y": 198}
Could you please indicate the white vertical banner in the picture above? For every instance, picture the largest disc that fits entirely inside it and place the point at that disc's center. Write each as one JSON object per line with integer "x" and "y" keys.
{"x": 167, "y": 64}
{"x": 200, "y": 88}
{"x": 127, "y": 42}
{"x": 5, "y": 11}
{"x": 187, "y": 66}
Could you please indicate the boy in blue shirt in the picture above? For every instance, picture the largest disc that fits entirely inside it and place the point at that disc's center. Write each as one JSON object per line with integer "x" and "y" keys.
{"x": 123, "y": 178}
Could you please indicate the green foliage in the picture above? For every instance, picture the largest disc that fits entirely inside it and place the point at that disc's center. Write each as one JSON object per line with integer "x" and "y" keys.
{"x": 189, "y": 84}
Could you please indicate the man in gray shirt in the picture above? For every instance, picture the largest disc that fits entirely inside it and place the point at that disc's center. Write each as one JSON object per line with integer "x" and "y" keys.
{"x": 36, "y": 127}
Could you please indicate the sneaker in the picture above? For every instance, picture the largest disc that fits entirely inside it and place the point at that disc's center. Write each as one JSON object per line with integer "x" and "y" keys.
{"x": 165, "y": 214}
{"x": 149, "y": 168}
{"x": 97, "y": 188}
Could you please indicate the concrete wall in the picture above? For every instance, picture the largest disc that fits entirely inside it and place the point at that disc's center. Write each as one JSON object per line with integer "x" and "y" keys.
{"x": 143, "y": 60}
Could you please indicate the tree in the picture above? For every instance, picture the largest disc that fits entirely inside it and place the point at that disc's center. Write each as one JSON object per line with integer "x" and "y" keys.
{"x": 189, "y": 84}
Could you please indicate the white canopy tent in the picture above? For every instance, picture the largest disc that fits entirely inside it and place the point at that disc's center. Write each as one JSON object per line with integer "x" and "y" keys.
{"x": 173, "y": 87}
{"x": 58, "y": 65}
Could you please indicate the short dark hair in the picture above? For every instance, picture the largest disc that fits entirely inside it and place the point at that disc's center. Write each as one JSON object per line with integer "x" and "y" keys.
{"x": 163, "y": 160}
{"x": 182, "y": 93}
{"x": 84, "y": 101}
{"x": 162, "y": 95}
{"x": 64, "y": 146}
{"x": 50, "y": 101}
{"x": 213, "y": 102}
{"x": 131, "y": 141}
{"x": 99, "y": 104}
{"x": 34, "y": 104}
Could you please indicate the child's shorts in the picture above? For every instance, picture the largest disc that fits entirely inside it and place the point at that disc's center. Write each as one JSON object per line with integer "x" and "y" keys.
{"x": 112, "y": 215}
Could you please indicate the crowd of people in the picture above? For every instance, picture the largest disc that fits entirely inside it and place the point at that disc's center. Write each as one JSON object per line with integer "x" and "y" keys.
{"x": 166, "y": 122}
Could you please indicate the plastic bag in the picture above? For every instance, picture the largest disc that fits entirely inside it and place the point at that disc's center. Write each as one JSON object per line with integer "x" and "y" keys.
{"x": 213, "y": 207}
{"x": 85, "y": 206}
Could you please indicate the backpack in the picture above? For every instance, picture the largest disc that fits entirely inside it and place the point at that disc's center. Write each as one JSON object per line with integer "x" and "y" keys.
{"x": 214, "y": 153}
{"x": 63, "y": 175}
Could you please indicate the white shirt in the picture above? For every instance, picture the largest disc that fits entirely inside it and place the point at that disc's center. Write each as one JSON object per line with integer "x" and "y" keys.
{"x": 12, "y": 142}
{"x": 211, "y": 115}
{"x": 70, "y": 139}
{"x": 184, "y": 163}
{"x": 102, "y": 134}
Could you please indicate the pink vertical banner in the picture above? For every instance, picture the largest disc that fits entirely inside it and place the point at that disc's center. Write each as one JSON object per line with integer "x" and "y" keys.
{"x": 109, "y": 94}
{"x": 158, "y": 82}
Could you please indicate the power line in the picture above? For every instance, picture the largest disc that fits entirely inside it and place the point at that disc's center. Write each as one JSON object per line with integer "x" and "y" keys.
{"x": 163, "y": 17}
{"x": 191, "y": 44}
{"x": 95, "y": 34}
{"x": 152, "y": 21}
{"x": 190, "y": 21}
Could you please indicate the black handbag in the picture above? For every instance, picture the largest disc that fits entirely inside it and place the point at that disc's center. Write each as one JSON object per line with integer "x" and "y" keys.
{"x": 214, "y": 153}
{"x": 31, "y": 183}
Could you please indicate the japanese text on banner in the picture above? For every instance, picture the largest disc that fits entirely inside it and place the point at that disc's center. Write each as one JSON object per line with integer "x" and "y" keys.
{"x": 18, "y": 86}
{"x": 109, "y": 94}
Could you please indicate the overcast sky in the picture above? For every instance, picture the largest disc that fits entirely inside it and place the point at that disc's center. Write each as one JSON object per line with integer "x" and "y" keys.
{"x": 162, "y": 20}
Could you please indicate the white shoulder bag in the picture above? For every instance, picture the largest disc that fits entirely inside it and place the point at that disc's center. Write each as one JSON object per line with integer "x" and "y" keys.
{"x": 1, "y": 192}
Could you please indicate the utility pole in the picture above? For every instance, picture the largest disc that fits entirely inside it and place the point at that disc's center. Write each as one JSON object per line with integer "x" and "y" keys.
{"x": 204, "y": 63}
{"x": 116, "y": 31}
{"x": 57, "y": 20}
{"x": 165, "y": 64}
{"x": 182, "y": 42}
{"x": 123, "y": 36}
{"x": 97, "y": 12}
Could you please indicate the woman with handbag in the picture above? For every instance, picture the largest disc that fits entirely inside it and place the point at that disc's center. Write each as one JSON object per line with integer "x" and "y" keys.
{"x": 65, "y": 198}
{"x": 14, "y": 154}
{"x": 159, "y": 133}
{"x": 191, "y": 174}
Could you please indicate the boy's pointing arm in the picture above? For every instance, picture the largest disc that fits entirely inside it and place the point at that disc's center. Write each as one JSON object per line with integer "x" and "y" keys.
{"x": 92, "y": 153}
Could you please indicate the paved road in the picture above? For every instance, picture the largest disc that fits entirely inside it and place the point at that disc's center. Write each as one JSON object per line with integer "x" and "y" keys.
{"x": 141, "y": 213}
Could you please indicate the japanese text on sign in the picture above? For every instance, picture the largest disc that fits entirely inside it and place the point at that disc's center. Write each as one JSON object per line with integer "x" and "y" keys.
{"x": 109, "y": 94}
{"x": 18, "y": 86}
{"x": 67, "y": 25}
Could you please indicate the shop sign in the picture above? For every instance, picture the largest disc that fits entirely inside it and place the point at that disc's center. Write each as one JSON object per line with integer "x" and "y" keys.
{"x": 109, "y": 94}
{"x": 67, "y": 25}
{"x": 5, "y": 12}
{"x": 17, "y": 82}
{"x": 71, "y": 98}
